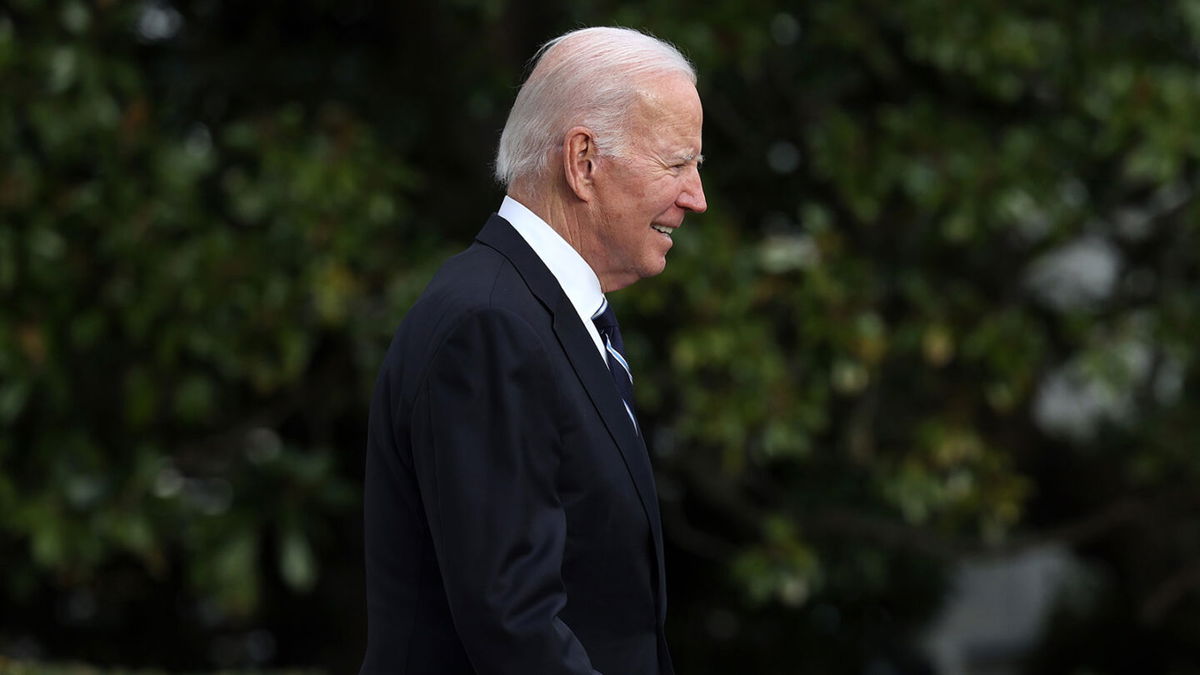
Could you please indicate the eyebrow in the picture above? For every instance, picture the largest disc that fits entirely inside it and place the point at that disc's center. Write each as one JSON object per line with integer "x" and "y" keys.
{"x": 690, "y": 156}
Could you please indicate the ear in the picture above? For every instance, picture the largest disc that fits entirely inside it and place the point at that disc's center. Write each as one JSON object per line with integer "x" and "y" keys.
{"x": 579, "y": 162}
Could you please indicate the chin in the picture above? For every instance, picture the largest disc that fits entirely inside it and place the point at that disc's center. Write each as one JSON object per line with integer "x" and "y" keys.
{"x": 655, "y": 268}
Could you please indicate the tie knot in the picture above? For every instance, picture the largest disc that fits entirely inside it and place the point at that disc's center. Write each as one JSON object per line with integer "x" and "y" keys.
{"x": 605, "y": 318}
{"x": 610, "y": 333}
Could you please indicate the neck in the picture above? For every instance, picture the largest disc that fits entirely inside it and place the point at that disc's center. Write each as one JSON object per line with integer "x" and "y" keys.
{"x": 564, "y": 217}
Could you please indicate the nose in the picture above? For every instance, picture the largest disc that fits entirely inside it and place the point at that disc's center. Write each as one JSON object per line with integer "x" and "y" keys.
{"x": 692, "y": 196}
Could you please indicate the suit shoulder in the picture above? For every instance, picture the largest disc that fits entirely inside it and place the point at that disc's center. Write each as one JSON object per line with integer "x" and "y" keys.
{"x": 480, "y": 282}
{"x": 477, "y": 279}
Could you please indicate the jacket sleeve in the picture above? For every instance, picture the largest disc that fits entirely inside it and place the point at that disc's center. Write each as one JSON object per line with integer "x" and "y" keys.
{"x": 486, "y": 451}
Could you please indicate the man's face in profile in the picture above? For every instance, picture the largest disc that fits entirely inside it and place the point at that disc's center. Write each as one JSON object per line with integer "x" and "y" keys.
{"x": 644, "y": 195}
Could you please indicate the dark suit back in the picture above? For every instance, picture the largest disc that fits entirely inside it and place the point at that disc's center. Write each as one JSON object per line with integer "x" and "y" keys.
{"x": 511, "y": 520}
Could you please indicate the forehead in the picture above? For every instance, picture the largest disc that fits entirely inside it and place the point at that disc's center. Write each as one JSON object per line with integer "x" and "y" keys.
{"x": 673, "y": 95}
{"x": 669, "y": 109}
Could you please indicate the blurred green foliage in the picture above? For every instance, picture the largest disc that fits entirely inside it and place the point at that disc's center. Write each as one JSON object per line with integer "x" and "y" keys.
{"x": 944, "y": 303}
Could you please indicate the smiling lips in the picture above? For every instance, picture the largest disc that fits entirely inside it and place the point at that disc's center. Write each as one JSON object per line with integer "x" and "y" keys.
{"x": 662, "y": 228}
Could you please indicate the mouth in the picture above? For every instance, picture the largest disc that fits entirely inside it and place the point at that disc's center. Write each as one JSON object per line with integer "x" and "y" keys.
{"x": 662, "y": 228}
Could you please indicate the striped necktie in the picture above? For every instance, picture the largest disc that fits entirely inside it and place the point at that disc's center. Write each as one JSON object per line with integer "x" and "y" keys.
{"x": 610, "y": 333}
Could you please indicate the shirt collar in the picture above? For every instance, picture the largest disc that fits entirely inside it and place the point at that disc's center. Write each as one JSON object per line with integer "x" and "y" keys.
{"x": 576, "y": 277}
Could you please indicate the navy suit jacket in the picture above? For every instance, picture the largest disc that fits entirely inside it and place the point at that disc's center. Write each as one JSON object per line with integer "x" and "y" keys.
{"x": 512, "y": 524}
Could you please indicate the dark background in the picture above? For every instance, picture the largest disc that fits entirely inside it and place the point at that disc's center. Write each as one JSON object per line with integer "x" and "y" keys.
{"x": 942, "y": 309}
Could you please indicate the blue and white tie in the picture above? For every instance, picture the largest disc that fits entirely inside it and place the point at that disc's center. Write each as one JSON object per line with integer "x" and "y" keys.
{"x": 610, "y": 333}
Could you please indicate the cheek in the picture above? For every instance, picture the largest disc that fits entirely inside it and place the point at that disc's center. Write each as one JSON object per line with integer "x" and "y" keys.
{"x": 666, "y": 197}
{"x": 639, "y": 193}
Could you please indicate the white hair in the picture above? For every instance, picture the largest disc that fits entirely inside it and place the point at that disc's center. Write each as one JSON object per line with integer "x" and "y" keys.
{"x": 588, "y": 77}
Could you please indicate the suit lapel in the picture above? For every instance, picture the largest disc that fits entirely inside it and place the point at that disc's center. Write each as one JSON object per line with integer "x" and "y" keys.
{"x": 598, "y": 382}
{"x": 589, "y": 367}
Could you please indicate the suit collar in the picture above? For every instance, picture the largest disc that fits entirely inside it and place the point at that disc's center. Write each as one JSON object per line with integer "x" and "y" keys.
{"x": 500, "y": 235}
{"x": 589, "y": 367}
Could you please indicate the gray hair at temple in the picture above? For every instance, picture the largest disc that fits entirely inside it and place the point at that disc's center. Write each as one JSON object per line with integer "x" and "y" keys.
{"x": 588, "y": 77}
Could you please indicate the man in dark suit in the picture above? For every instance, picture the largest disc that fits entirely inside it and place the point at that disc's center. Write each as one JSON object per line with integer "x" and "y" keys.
{"x": 512, "y": 524}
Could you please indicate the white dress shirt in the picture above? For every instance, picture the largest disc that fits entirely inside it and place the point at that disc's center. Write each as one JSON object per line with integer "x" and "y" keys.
{"x": 576, "y": 277}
